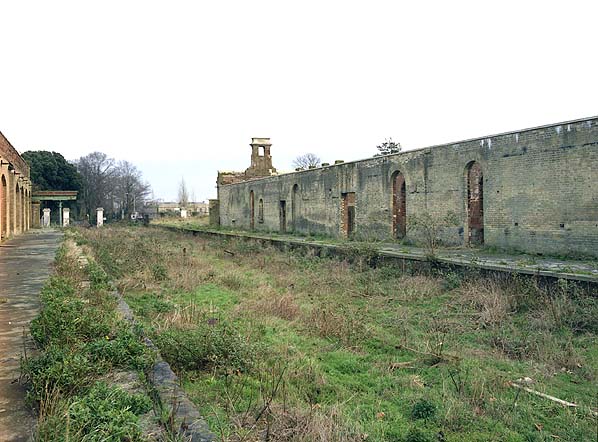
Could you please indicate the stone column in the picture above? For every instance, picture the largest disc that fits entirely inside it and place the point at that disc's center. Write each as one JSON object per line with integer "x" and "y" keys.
{"x": 26, "y": 213}
{"x": 100, "y": 216}
{"x": 13, "y": 203}
{"x": 35, "y": 215}
{"x": 183, "y": 213}
{"x": 4, "y": 200}
{"x": 65, "y": 217}
{"x": 46, "y": 219}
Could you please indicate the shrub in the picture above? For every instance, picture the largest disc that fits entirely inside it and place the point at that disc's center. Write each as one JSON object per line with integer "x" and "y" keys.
{"x": 416, "y": 434}
{"x": 423, "y": 409}
{"x": 58, "y": 368}
{"x": 103, "y": 414}
{"x": 65, "y": 318}
{"x": 97, "y": 277}
{"x": 213, "y": 344}
{"x": 124, "y": 350}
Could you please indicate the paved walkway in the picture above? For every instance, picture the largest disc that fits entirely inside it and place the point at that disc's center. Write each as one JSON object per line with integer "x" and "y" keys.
{"x": 25, "y": 264}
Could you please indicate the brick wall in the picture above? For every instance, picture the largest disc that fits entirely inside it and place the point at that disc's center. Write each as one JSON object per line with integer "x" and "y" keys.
{"x": 540, "y": 191}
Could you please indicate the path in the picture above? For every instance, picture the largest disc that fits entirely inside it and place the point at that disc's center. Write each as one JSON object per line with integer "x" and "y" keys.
{"x": 25, "y": 264}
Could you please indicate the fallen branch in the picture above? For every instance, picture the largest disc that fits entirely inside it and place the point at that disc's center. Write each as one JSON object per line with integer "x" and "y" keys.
{"x": 441, "y": 357}
{"x": 229, "y": 252}
{"x": 551, "y": 398}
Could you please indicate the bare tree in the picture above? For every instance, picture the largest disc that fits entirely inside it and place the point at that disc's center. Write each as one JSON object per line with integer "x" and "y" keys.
{"x": 131, "y": 191}
{"x": 97, "y": 173}
{"x": 183, "y": 193}
{"x": 388, "y": 147}
{"x": 307, "y": 160}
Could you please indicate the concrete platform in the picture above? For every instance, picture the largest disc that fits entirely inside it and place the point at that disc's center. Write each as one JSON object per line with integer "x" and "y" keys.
{"x": 584, "y": 271}
{"x": 25, "y": 265}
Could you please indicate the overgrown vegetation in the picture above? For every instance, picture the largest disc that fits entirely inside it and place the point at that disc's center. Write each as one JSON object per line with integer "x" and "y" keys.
{"x": 286, "y": 347}
{"x": 81, "y": 342}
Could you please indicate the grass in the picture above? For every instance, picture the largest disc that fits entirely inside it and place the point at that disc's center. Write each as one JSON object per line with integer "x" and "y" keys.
{"x": 286, "y": 347}
{"x": 81, "y": 341}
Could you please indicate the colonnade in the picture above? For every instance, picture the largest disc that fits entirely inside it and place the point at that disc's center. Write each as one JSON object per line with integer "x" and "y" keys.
{"x": 15, "y": 192}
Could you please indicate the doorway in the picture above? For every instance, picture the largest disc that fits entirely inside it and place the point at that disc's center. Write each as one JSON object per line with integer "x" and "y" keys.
{"x": 251, "y": 210}
{"x": 399, "y": 206}
{"x": 475, "y": 204}
{"x": 283, "y": 216}
{"x": 348, "y": 214}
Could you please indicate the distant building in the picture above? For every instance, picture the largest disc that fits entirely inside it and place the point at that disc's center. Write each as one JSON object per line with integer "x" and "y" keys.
{"x": 174, "y": 208}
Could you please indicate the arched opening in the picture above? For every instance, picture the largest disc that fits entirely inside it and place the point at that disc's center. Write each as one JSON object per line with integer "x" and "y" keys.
{"x": 399, "y": 205}
{"x": 251, "y": 210}
{"x": 475, "y": 204}
{"x": 23, "y": 210}
{"x": 294, "y": 207}
{"x": 4, "y": 207}
{"x": 17, "y": 209}
{"x": 260, "y": 211}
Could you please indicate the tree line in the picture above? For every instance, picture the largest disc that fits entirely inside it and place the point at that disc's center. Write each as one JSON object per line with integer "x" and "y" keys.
{"x": 115, "y": 185}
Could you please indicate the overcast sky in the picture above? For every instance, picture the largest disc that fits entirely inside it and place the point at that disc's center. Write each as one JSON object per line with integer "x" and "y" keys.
{"x": 180, "y": 87}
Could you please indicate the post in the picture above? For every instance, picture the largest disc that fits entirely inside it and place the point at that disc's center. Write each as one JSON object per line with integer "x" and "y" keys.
{"x": 65, "y": 217}
{"x": 61, "y": 223}
{"x": 35, "y": 215}
{"x": 46, "y": 219}
{"x": 100, "y": 216}
{"x": 183, "y": 213}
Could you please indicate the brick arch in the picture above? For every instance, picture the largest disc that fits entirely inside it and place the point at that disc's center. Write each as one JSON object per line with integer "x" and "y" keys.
{"x": 17, "y": 215}
{"x": 474, "y": 203}
{"x": 260, "y": 211}
{"x": 27, "y": 211}
{"x": 3, "y": 206}
{"x": 251, "y": 210}
{"x": 23, "y": 209}
{"x": 398, "y": 204}
{"x": 295, "y": 209}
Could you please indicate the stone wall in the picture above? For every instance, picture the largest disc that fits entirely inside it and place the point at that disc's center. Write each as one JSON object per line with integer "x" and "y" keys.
{"x": 538, "y": 192}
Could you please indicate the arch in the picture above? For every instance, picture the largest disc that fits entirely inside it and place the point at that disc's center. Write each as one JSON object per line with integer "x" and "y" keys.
{"x": 260, "y": 211}
{"x": 27, "y": 213}
{"x": 251, "y": 210}
{"x": 294, "y": 207}
{"x": 23, "y": 209}
{"x": 399, "y": 205}
{"x": 17, "y": 209}
{"x": 475, "y": 204}
{"x": 3, "y": 207}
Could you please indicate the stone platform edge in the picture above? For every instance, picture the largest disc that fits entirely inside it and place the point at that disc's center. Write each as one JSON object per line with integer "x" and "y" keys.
{"x": 441, "y": 262}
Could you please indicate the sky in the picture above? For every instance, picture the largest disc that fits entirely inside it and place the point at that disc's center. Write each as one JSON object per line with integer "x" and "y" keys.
{"x": 179, "y": 88}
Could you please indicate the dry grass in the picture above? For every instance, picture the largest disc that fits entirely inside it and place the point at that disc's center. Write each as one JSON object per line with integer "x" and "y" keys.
{"x": 182, "y": 317}
{"x": 489, "y": 298}
{"x": 281, "y": 306}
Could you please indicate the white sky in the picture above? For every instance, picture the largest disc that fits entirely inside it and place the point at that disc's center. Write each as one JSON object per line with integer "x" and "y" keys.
{"x": 180, "y": 87}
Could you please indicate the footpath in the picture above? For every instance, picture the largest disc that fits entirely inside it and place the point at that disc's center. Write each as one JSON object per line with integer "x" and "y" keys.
{"x": 25, "y": 265}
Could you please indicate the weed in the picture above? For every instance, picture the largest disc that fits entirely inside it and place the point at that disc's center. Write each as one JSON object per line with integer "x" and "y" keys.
{"x": 423, "y": 409}
{"x": 214, "y": 343}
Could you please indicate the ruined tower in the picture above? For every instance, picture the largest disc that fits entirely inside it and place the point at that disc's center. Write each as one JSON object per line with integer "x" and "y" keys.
{"x": 261, "y": 160}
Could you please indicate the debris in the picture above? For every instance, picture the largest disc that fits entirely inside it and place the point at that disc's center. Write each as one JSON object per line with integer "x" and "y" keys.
{"x": 545, "y": 396}
{"x": 396, "y": 365}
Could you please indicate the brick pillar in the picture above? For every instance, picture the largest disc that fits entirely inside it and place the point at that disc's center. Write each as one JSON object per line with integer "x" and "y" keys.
{"x": 35, "y": 214}
{"x": 214, "y": 209}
